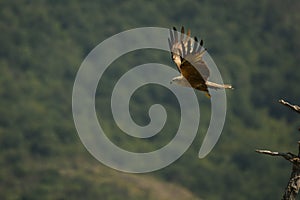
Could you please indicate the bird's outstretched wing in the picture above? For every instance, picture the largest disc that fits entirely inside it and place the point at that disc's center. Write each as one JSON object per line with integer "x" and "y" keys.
{"x": 186, "y": 53}
{"x": 175, "y": 44}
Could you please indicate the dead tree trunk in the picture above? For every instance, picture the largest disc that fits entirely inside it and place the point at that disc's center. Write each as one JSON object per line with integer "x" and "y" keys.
{"x": 293, "y": 186}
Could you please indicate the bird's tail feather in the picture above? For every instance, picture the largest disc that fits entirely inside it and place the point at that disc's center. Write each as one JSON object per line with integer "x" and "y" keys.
{"x": 218, "y": 86}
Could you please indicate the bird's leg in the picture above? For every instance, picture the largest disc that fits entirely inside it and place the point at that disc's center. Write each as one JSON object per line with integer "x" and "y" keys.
{"x": 207, "y": 94}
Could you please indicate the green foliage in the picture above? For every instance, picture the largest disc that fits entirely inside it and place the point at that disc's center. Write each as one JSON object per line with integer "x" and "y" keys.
{"x": 254, "y": 44}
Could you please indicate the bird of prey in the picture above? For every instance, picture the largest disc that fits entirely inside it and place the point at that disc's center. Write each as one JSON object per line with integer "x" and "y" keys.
{"x": 187, "y": 53}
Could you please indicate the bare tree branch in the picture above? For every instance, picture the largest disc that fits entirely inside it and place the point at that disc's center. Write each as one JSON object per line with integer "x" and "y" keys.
{"x": 288, "y": 156}
{"x": 293, "y": 107}
{"x": 293, "y": 186}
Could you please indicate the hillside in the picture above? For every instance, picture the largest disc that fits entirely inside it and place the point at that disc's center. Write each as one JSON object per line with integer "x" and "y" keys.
{"x": 75, "y": 178}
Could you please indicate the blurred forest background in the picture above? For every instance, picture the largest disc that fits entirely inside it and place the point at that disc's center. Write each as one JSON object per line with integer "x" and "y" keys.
{"x": 255, "y": 45}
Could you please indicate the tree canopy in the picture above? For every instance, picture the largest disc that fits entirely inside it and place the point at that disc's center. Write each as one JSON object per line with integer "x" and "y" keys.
{"x": 254, "y": 44}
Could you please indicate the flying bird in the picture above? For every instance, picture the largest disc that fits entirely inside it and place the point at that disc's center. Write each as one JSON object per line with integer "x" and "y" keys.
{"x": 187, "y": 53}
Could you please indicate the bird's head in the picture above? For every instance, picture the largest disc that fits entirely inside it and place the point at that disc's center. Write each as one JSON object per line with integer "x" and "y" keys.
{"x": 179, "y": 80}
{"x": 175, "y": 80}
